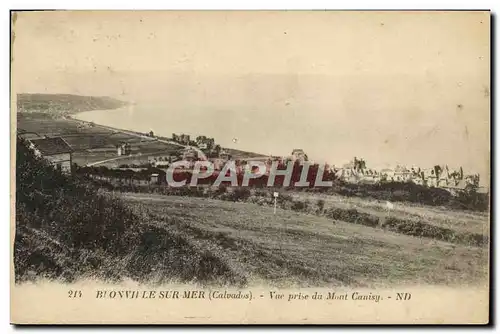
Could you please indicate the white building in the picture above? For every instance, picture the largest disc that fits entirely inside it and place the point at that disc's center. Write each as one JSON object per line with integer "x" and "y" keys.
{"x": 298, "y": 154}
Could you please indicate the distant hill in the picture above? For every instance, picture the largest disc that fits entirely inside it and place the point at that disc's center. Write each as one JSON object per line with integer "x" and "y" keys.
{"x": 65, "y": 104}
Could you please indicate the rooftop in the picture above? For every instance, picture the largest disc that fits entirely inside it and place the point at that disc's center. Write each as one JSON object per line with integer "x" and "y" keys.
{"x": 51, "y": 146}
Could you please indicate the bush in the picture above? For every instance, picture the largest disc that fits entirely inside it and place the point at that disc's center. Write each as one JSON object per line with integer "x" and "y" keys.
{"x": 423, "y": 229}
{"x": 321, "y": 205}
{"x": 300, "y": 205}
{"x": 410, "y": 192}
{"x": 222, "y": 189}
{"x": 353, "y": 216}
{"x": 239, "y": 194}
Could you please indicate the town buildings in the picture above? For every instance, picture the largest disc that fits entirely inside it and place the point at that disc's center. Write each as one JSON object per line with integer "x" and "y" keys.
{"x": 440, "y": 176}
{"x": 357, "y": 172}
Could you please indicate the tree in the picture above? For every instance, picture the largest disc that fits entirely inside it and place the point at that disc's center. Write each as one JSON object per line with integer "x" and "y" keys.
{"x": 217, "y": 149}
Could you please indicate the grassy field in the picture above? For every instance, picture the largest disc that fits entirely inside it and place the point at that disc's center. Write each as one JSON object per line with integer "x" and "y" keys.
{"x": 297, "y": 249}
{"x": 459, "y": 220}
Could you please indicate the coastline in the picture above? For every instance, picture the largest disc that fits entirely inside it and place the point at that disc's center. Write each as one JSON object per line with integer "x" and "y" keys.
{"x": 78, "y": 117}
{"x": 98, "y": 117}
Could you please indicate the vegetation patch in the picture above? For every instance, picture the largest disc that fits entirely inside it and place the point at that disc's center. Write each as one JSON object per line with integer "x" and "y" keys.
{"x": 424, "y": 229}
{"x": 67, "y": 229}
{"x": 353, "y": 216}
{"x": 263, "y": 196}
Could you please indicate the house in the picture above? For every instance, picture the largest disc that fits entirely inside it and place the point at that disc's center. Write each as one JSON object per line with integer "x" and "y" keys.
{"x": 123, "y": 149}
{"x": 369, "y": 175}
{"x": 205, "y": 143}
{"x": 416, "y": 172}
{"x": 387, "y": 174}
{"x": 299, "y": 154}
{"x": 55, "y": 150}
{"x": 449, "y": 177}
{"x": 402, "y": 174}
{"x": 358, "y": 164}
{"x": 181, "y": 139}
{"x": 184, "y": 139}
{"x": 189, "y": 154}
{"x": 430, "y": 177}
{"x": 442, "y": 176}
{"x": 356, "y": 171}
{"x": 224, "y": 155}
{"x": 154, "y": 178}
{"x": 347, "y": 173}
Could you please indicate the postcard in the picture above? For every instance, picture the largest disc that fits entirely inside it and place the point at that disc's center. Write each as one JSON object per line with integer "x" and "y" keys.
{"x": 250, "y": 167}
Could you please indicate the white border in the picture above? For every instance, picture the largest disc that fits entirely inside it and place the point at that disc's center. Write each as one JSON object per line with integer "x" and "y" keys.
{"x": 187, "y": 4}
{"x": 253, "y": 5}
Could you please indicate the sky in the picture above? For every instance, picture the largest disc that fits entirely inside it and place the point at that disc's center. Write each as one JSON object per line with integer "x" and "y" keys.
{"x": 391, "y": 87}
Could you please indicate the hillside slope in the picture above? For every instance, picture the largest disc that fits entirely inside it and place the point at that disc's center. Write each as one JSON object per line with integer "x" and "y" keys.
{"x": 290, "y": 248}
{"x": 67, "y": 229}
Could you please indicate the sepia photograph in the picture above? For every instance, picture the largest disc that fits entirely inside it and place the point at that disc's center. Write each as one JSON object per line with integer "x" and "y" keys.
{"x": 250, "y": 167}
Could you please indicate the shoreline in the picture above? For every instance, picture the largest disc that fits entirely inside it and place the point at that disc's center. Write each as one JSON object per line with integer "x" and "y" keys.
{"x": 113, "y": 128}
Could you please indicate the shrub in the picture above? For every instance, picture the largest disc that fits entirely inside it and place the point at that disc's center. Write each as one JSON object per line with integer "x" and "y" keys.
{"x": 353, "y": 216}
{"x": 300, "y": 205}
{"x": 239, "y": 194}
{"x": 261, "y": 193}
{"x": 222, "y": 189}
{"x": 410, "y": 192}
{"x": 321, "y": 205}
{"x": 420, "y": 228}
